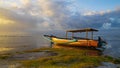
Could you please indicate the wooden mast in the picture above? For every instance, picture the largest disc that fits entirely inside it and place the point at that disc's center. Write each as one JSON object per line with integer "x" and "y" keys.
{"x": 86, "y": 34}
{"x": 92, "y": 35}
{"x": 72, "y": 34}
{"x": 87, "y": 38}
{"x": 66, "y": 34}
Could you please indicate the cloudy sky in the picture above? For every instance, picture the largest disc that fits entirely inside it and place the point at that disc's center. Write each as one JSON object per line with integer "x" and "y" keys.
{"x": 44, "y": 15}
{"x": 36, "y": 16}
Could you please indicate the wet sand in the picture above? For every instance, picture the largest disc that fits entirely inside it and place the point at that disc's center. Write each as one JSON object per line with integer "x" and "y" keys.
{"x": 13, "y": 61}
{"x": 33, "y": 55}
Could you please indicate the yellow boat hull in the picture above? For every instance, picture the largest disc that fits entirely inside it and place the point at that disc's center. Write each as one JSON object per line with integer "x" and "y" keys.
{"x": 79, "y": 42}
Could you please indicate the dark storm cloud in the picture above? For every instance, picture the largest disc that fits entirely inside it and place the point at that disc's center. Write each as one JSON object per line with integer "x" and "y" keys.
{"x": 96, "y": 21}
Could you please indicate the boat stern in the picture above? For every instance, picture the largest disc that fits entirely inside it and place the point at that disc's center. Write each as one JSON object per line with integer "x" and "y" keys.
{"x": 102, "y": 44}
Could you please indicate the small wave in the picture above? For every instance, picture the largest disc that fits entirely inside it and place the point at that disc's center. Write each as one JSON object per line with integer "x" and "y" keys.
{"x": 108, "y": 46}
{"x": 5, "y": 49}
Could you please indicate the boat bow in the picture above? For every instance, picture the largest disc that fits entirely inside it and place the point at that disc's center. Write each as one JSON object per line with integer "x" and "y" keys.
{"x": 58, "y": 40}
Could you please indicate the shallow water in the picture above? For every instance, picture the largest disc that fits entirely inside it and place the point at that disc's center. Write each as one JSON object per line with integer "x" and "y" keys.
{"x": 24, "y": 42}
{"x": 112, "y": 36}
{"x": 113, "y": 48}
{"x": 10, "y": 43}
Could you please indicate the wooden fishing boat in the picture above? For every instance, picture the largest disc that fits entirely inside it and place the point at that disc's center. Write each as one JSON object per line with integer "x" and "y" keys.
{"x": 78, "y": 41}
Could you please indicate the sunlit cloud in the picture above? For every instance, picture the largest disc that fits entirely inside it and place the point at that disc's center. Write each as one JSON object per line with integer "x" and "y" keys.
{"x": 9, "y": 4}
{"x": 40, "y": 12}
{"x": 89, "y": 13}
{"x": 6, "y": 22}
{"x": 46, "y": 7}
{"x": 106, "y": 25}
{"x": 25, "y": 2}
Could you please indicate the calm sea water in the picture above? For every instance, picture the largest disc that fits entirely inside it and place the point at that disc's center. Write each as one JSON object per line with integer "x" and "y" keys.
{"x": 24, "y": 42}
{"x": 16, "y": 42}
{"x": 112, "y": 36}
{"x": 113, "y": 48}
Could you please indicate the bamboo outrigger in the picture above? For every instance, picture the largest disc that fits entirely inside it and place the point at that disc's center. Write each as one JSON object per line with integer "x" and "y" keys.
{"x": 78, "y": 41}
